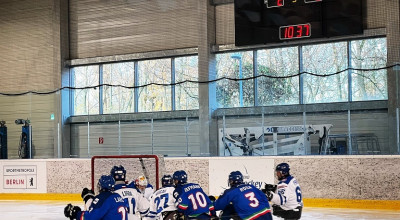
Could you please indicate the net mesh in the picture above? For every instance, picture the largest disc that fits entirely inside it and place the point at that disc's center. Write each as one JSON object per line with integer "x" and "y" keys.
{"x": 150, "y": 166}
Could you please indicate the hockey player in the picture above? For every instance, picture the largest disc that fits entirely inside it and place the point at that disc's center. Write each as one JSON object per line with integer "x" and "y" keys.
{"x": 138, "y": 205}
{"x": 287, "y": 199}
{"x": 142, "y": 186}
{"x": 191, "y": 200}
{"x": 105, "y": 206}
{"x": 242, "y": 201}
{"x": 162, "y": 202}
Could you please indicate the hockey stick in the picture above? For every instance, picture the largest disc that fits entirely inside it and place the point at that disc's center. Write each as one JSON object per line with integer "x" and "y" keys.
{"x": 144, "y": 169}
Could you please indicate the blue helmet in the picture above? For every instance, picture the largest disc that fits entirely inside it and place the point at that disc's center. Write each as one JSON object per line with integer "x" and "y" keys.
{"x": 166, "y": 180}
{"x": 180, "y": 176}
{"x": 283, "y": 168}
{"x": 106, "y": 183}
{"x": 235, "y": 178}
{"x": 118, "y": 172}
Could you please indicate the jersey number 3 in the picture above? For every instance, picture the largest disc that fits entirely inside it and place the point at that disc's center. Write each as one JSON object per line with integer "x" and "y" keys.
{"x": 253, "y": 200}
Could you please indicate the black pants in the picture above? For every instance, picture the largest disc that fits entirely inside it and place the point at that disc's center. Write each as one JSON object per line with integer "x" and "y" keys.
{"x": 293, "y": 214}
{"x": 229, "y": 213}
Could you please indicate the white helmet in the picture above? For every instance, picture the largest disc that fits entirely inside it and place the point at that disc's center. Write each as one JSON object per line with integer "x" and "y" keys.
{"x": 141, "y": 181}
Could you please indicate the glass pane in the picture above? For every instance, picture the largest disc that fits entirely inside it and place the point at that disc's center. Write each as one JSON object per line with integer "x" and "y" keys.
{"x": 369, "y": 54}
{"x": 86, "y": 101}
{"x": 118, "y": 99}
{"x": 154, "y": 97}
{"x": 232, "y": 93}
{"x": 370, "y": 132}
{"x": 265, "y": 134}
{"x": 186, "y": 94}
{"x": 327, "y": 132}
{"x": 278, "y": 62}
{"x": 324, "y": 59}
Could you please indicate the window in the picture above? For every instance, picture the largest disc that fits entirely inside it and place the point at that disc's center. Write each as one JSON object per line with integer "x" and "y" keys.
{"x": 154, "y": 97}
{"x": 235, "y": 93}
{"x": 86, "y": 101}
{"x": 369, "y": 54}
{"x": 329, "y": 61}
{"x": 118, "y": 99}
{"x": 278, "y": 62}
{"x": 186, "y": 94}
{"x": 325, "y": 59}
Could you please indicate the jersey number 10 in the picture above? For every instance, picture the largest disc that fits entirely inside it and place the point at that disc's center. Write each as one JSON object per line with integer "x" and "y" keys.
{"x": 198, "y": 200}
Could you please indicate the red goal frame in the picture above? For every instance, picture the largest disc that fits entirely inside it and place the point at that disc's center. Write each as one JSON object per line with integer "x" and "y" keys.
{"x": 126, "y": 156}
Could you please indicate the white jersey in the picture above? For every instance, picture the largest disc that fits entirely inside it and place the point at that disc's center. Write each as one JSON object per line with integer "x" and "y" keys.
{"x": 288, "y": 195}
{"x": 162, "y": 201}
{"x": 147, "y": 192}
{"x": 138, "y": 205}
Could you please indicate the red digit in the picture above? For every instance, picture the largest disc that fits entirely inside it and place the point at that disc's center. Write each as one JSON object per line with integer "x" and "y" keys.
{"x": 279, "y": 2}
{"x": 299, "y": 30}
{"x": 307, "y": 29}
{"x": 290, "y": 32}
{"x": 286, "y": 32}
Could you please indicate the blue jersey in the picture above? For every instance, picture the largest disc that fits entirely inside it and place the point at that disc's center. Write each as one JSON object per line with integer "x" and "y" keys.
{"x": 248, "y": 202}
{"x": 106, "y": 206}
{"x": 192, "y": 201}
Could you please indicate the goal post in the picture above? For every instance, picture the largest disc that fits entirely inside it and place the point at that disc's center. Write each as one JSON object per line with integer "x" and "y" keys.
{"x": 150, "y": 166}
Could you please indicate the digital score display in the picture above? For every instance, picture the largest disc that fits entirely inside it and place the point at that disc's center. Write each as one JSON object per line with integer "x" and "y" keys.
{"x": 271, "y": 21}
{"x": 294, "y": 31}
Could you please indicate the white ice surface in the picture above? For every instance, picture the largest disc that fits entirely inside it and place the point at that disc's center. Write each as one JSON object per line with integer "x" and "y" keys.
{"x": 50, "y": 210}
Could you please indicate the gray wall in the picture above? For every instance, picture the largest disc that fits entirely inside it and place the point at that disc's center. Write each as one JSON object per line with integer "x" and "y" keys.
{"x": 30, "y": 60}
{"x": 167, "y": 137}
{"x": 105, "y": 28}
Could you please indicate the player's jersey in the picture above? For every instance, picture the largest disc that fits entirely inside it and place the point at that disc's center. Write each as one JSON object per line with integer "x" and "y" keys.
{"x": 137, "y": 203}
{"x": 192, "y": 201}
{"x": 248, "y": 202}
{"x": 148, "y": 191}
{"x": 106, "y": 206}
{"x": 288, "y": 194}
{"x": 162, "y": 201}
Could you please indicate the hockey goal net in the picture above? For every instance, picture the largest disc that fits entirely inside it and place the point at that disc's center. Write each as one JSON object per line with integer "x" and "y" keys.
{"x": 150, "y": 166}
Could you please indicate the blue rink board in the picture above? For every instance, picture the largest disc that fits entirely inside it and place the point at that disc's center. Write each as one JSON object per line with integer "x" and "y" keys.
{"x": 54, "y": 210}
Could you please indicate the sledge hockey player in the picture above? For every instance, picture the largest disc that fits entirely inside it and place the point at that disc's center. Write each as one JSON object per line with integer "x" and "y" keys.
{"x": 138, "y": 205}
{"x": 162, "y": 202}
{"x": 191, "y": 200}
{"x": 142, "y": 186}
{"x": 242, "y": 201}
{"x": 105, "y": 206}
{"x": 287, "y": 199}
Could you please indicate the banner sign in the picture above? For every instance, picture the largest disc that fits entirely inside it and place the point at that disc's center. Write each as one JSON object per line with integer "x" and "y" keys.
{"x": 17, "y": 178}
{"x": 256, "y": 171}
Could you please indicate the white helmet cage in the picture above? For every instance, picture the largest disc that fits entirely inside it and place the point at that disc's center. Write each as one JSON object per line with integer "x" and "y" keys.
{"x": 141, "y": 181}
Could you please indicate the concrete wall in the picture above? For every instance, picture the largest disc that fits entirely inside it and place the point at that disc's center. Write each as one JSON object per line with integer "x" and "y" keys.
{"x": 334, "y": 177}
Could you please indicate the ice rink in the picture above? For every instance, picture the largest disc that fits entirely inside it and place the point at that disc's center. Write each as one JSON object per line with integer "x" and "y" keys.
{"x": 51, "y": 210}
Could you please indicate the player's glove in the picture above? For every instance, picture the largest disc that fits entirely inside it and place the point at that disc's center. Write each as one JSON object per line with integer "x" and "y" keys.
{"x": 70, "y": 211}
{"x": 87, "y": 194}
{"x": 269, "y": 195}
{"x": 269, "y": 188}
